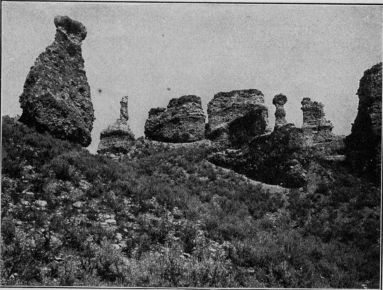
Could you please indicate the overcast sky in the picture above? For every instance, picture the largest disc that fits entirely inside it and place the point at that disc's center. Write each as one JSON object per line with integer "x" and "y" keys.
{"x": 155, "y": 52}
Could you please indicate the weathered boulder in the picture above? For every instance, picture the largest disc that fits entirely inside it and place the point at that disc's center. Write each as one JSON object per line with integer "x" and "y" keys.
{"x": 280, "y": 114}
{"x": 363, "y": 145}
{"x": 236, "y": 117}
{"x": 56, "y": 96}
{"x": 182, "y": 121}
{"x": 118, "y": 137}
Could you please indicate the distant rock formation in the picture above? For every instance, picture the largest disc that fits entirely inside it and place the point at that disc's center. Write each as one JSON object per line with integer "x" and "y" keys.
{"x": 363, "y": 145}
{"x": 118, "y": 137}
{"x": 182, "y": 121}
{"x": 286, "y": 157}
{"x": 280, "y": 115}
{"x": 56, "y": 96}
{"x": 236, "y": 117}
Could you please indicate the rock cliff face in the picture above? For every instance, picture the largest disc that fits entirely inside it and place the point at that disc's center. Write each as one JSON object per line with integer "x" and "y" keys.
{"x": 182, "y": 121}
{"x": 363, "y": 145}
{"x": 236, "y": 117}
{"x": 56, "y": 96}
{"x": 118, "y": 137}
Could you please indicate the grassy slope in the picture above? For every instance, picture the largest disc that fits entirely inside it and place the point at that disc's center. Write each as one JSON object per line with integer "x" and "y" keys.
{"x": 168, "y": 218}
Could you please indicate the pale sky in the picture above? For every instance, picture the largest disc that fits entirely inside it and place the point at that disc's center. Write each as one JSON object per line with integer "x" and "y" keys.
{"x": 141, "y": 50}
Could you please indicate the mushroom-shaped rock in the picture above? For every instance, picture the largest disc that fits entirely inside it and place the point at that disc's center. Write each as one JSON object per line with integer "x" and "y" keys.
{"x": 118, "y": 137}
{"x": 236, "y": 117}
{"x": 56, "y": 96}
{"x": 363, "y": 145}
{"x": 182, "y": 121}
{"x": 280, "y": 115}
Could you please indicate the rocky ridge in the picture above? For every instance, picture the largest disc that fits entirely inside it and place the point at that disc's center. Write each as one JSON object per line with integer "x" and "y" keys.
{"x": 56, "y": 96}
{"x": 288, "y": 156}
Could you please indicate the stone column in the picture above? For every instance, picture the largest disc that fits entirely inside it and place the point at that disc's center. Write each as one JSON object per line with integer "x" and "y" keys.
{"x": 280, "y": 114}
{"x": 124, "y": 114}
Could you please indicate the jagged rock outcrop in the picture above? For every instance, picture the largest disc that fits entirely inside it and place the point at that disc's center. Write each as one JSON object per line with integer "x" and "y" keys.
{"x": 56, "y": 96}
{"x": 363, "y": 145}
{"x": 280, "y": 114}
{"x": 236, "y": 117}
{"x": 182, "y": 121}
{"x": 289, "y": 156}
{"x": 118, "y": 137}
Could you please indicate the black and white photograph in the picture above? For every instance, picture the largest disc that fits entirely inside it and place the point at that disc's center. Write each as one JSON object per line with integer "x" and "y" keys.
{"x": 200, "y": 145}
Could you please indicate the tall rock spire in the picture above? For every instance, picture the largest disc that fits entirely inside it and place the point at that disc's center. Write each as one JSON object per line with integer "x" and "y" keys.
{"x": 118, "y": 137}
{"x": 280, "y": 115}
{"x": 56, "y": 96}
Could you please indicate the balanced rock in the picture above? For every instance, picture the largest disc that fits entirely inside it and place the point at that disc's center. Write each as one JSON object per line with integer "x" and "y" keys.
{"x": 363, "y": 145}
{"x": 56, "y": 96}
{"x": 236, "y": 117}
{"x": 182, "y": 121}
{"x": 280, "y": 114}
{"x": 118, "y": 137}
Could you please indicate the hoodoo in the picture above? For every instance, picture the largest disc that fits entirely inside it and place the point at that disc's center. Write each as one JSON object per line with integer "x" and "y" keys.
{"x": 56, "y": 96}
{"x": 118, "y": 137}
{"x": 280, "y": 114}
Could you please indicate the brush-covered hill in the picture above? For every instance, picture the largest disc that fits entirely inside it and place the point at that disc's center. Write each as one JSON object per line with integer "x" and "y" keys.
{"x": 168, "y": 217}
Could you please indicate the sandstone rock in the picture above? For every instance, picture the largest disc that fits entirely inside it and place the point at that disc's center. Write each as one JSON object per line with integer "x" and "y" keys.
{"x": 182, "y": 121}
{"x": 56, "y": 96}
{"x": 279, "y": 101}
{"x": 118, "y": 137}
{"x": 363, "y": 145}
{"x": 236, "y": 117}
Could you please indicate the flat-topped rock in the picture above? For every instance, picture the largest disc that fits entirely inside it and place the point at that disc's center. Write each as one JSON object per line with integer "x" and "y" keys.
{"x": 56, "y": 96}
{"x": 182, "y": 121}
{"x": 236, "y": 117}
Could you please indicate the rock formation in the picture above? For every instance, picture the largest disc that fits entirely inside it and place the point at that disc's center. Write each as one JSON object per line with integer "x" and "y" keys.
{"x": 182, "y": 121}
{"x": 363, "y": 145}
{"x": 288, "y": 156}
{"x": 279, "y": 101}
{"x": 118, "y": 137}
{"x": 236, "y": 117}
{"x": 56, "y": 96}
{"x": 315, "y": 125}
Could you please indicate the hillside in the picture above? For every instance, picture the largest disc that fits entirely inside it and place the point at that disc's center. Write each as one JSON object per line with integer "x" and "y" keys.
{"x": 169, "y": 218}
{"x": 216, "y": 200}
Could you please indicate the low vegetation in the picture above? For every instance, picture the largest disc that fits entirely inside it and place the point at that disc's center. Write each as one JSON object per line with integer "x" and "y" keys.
{"x": 170, "y": 218}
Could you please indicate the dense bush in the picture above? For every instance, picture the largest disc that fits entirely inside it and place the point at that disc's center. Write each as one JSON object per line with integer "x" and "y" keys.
{"x": 169, "y": 218}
